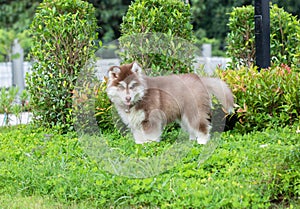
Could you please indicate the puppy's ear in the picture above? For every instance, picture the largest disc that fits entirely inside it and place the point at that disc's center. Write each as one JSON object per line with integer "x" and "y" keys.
{"x": 136, "y": 68}
{"x": 113, "y": 72}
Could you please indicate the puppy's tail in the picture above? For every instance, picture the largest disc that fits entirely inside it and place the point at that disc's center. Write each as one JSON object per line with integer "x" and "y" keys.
{"x": 220, "y": 89}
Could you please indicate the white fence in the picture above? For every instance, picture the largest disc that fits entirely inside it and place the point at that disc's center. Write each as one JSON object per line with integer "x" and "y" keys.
{"x": 208, "y": 63}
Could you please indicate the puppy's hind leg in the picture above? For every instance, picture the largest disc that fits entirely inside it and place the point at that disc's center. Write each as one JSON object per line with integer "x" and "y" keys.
{"x": 198, "y": 129}
{"x": 202, "y": 134}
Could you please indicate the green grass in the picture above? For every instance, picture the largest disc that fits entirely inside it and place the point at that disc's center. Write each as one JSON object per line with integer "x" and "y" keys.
{"x": 32, "y": 202}
{"x": 42, "y": 169}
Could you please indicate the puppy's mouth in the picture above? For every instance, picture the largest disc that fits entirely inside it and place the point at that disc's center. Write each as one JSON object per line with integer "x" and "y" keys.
{"x": 127, "y": 103}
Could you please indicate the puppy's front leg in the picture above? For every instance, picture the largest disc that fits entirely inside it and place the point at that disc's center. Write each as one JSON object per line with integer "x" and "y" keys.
{"x": 139, "y": 136}
{"x": 148, "y": 133}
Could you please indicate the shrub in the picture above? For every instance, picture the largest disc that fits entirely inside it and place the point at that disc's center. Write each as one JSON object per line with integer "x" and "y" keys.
{"x": 158, "y": 34}
{"x": 62, "y": 31}
{"x": 266, "y": 99}
{"x": 284, "y": 32}
{"x": 91, "y": 102}
{"x": 12, "y": 103}
{"x": 105, "y": 113}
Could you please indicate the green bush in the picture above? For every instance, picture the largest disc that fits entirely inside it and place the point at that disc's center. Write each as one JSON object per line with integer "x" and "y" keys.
{"x": 266, "y": 99}
{"x": 284, "y": 32}
{"x": 92, "y": 101}
{"x": 63, "y": 32}
{"x": 92, "y": 107}
{"x": 158, "y": 34}
{"x": 106, "y": 115}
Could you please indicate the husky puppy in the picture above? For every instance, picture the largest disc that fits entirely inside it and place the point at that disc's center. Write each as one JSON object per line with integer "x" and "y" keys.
{"x": 147, "y": 104}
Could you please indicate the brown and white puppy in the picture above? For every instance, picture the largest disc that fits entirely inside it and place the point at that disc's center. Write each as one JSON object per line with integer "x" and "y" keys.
{"x": 147, "y": 104}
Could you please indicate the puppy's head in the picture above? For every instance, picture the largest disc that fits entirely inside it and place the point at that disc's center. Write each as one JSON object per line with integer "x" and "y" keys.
{"x": 119, "y": 73}
{"x": 125, "y": 84}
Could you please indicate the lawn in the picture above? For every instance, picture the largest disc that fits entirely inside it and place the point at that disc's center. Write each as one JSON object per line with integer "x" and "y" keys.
{"x": 44, "y": 169}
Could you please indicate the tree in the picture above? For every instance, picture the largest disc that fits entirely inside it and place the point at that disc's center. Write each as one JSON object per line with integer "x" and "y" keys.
{"x": 6, "y": 40}
{"x": 17, "y": 14}
{"x": 291, "y": 6}
{"x": 16, "y": 17}
{"x": 109, "y": 14}
{"x": 210, "y": 17}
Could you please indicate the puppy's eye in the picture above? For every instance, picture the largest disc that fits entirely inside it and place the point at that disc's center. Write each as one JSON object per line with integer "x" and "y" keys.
{"x": 121, "y": 87}
{"x": 132, "y": 86}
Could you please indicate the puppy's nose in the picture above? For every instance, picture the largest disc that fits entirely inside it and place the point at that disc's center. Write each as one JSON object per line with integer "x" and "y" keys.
{"x": 128, "y": 98}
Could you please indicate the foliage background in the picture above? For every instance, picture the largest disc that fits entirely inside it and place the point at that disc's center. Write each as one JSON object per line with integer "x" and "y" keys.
{"x": 210, "y": 17}
{"x": 16, "y": 15}
{"x": 109, "y": 14}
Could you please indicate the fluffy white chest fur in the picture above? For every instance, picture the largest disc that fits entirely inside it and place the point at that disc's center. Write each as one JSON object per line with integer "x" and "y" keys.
{"x": 133, "y": 118}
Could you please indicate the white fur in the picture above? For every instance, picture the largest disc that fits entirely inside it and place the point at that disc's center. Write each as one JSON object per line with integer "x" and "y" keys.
{"x": 133, "y": 118}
